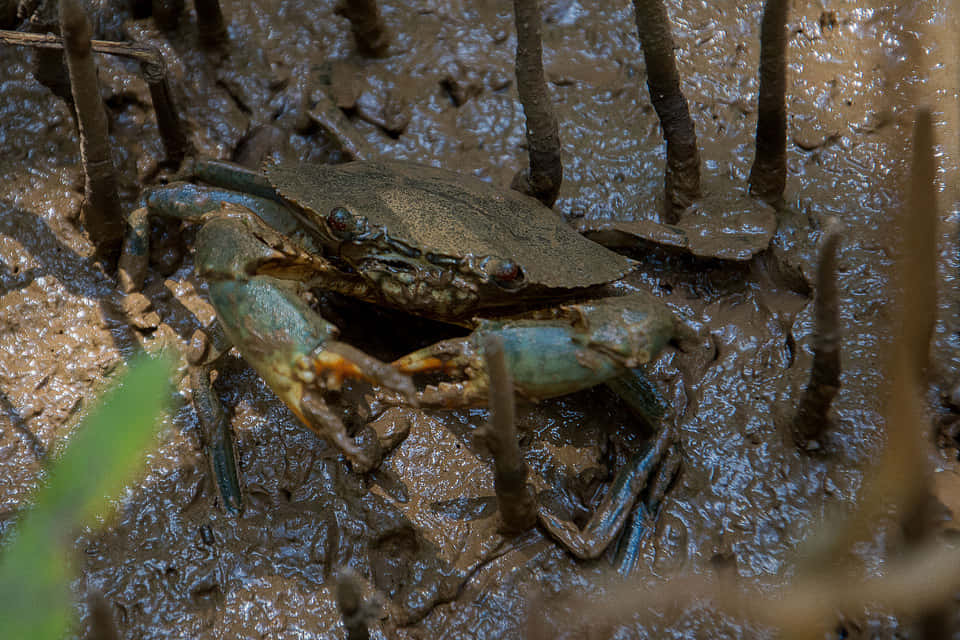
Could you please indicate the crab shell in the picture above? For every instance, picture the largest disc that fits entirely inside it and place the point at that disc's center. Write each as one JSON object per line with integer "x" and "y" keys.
{"x": 449, "y": 217}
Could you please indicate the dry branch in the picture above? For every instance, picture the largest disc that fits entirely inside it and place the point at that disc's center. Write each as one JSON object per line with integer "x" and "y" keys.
{"x": 154, "y": 73}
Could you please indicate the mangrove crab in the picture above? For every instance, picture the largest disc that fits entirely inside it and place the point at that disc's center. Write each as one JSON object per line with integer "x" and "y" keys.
{"x": 423, "y": 240}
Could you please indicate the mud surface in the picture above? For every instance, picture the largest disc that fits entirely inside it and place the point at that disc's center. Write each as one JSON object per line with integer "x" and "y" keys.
{"x": 422, "y": 529}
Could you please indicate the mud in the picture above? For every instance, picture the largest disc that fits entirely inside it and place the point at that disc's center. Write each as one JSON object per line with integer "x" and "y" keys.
{"x": 422, "y": 529}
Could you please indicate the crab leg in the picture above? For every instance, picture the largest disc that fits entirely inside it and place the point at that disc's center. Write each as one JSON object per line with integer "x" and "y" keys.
{"x": 217, "y": 439}
{"x": 574, "y": 348}
{"x": 641, "y": 523}
{"x": 611, "y": 515}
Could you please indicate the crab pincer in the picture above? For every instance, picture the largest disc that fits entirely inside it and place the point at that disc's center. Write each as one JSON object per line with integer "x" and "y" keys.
{"x": 550, "y": 353}
{"x": 253, "y": 275}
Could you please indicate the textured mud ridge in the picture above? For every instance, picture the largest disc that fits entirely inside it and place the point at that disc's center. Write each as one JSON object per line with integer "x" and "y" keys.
{"x": 421, "y": 530}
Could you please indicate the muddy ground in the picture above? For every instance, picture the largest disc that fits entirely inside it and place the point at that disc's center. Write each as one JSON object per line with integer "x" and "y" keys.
{"x": 421, "y": 530}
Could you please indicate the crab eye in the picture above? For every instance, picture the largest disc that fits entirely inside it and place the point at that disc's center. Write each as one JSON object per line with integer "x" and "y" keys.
{"x": 342, "y": 224}
{"x": 503, "y": 271}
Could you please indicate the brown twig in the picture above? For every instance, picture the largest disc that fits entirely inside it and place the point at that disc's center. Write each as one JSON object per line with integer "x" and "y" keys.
{"x": 102, "y": 217}
{"x": 172, "y": 133}
{"x": 154, "y": 73}
{"x": 805, "y": 608}
{"x": 811, "y": 420}
{"x": 213, "y": 30}
{"x": 768, "y": 176}
{"x": 514, "y": 496}
{"x": 369, "y": 31}
{"x": 542, "y": 180}
{"x": 682, "y": 173}
{"x": 900, "y": 483}
{"x": 46, "y": 41}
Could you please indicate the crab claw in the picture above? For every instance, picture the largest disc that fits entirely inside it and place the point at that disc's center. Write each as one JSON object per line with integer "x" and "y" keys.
{"x": 549, "y": 354}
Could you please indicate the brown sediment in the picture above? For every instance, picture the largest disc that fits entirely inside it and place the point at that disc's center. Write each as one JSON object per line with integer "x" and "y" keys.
{"x": 369, "y": 31}
{"x": 812, "y": 418}
{"x": 167, "y": 13}
{"x": 768, "y": 176}
{"x": 326, "y": 114}
{"x": 102, "y": 216}
{"x": 210, "y": 24}
{"x": 682, "y": 172}
{"x": 543, "y": 178}
{"x": 515, "y": 497}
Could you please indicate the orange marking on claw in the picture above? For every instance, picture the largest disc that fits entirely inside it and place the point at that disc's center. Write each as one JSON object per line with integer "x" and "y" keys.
{"x": 336, "y": 366}
{"x": 423, "y": 364}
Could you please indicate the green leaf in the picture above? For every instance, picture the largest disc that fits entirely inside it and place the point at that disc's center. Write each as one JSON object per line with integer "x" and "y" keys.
{"x": 103, "y": 454}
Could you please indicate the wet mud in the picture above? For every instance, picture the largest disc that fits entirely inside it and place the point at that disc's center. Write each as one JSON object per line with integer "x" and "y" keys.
{"x": 422, "y": 529}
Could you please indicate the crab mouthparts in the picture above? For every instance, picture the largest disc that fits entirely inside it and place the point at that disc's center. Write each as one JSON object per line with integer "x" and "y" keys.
{"x": 420, "y": 288}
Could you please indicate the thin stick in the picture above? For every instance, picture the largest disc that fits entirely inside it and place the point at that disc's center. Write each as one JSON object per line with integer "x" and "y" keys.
{"x": 545, "y": 175}
{"x": 682, "y": 173}
{"x": 811, "y": 421}
{"x": 102, "y": 216}
{"x": 47, "y": 41}
{"x": 171, "y": 128}
{"x": 514, "y": 496}
{"x": 369, "y": 31}
{"x": 172, "y": 133}
{"x": 768, "y": 176}
{"x": 213, "y": 31}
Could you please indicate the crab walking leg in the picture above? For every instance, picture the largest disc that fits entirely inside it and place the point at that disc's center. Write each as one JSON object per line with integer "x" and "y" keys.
{"x": 218, "y": 442}
{"x": 642, "y": 521}
{"x": 187, "y": 202}
{"x": 609, "y": 518}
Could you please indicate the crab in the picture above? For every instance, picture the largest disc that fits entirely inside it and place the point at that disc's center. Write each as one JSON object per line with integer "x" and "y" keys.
{"x": 426, "y": 241}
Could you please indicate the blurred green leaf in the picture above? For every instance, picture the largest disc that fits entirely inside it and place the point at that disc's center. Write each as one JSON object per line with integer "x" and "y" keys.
{"x": 103, "y": 454}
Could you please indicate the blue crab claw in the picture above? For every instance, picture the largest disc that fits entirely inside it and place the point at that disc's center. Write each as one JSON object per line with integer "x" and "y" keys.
{"x": 292, "y": 347}
{"x": 549, "y": 353}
